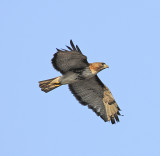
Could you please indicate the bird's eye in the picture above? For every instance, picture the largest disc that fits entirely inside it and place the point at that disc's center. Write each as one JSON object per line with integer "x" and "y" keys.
{"x": 103, "y": 63}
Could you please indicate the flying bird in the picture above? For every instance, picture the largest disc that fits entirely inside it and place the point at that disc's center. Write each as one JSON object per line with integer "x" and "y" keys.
{"x": 83, "y": 82}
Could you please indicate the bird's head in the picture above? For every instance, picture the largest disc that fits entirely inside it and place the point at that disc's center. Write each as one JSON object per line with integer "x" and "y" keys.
{"x": 97, "y": 67}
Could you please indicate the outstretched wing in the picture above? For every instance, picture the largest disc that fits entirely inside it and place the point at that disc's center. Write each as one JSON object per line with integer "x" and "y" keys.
{"x": 96, "y": 95}
{"x": 65, "y": 60}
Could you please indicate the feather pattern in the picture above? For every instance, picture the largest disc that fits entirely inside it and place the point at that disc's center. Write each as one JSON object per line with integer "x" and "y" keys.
{"x": 78, "y": 49}
{"x": 73, "y": 47}
{"x": 89, "y": 91}
{"x": 95, "y": 94}
{"x": 65, "y": 60}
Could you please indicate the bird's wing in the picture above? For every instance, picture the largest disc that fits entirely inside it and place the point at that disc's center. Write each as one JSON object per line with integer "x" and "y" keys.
{"x": 65, "y": 60}
{"x": 96, "y": 95}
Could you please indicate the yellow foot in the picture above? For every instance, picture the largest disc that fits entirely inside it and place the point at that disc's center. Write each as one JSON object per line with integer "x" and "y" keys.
{"x": 57, "y": 85}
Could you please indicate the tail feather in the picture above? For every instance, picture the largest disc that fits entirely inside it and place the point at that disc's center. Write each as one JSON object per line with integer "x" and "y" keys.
{"x": 50, "y": 84}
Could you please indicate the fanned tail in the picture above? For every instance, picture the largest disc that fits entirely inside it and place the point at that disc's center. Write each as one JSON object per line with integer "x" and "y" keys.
{"x": 50, "y": 84}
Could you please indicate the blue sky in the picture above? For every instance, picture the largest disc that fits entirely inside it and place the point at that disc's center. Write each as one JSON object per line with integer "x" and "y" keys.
{"x": 124, "y": 34}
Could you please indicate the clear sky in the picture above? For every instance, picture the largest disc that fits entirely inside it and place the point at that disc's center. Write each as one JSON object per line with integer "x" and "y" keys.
{"x": 123, "y": 34}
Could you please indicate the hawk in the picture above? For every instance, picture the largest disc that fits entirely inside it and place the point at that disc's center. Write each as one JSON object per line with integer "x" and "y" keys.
{"x": 83, "y": 82}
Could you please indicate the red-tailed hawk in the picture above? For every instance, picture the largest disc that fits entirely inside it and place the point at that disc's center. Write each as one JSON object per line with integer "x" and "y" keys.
{"x": 83, "y": 82}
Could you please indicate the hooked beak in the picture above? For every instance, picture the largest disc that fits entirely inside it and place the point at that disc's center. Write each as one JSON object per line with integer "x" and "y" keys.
{"x": 105, "y": 66}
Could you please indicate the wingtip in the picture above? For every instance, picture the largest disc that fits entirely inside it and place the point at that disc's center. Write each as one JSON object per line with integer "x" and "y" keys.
{"x": 58, "y": 49}
{"x": 78, "y": 49}
{"x": 71, "y": 42}
{"x": 72, "y": 45}
{"x": 69, "y": 48}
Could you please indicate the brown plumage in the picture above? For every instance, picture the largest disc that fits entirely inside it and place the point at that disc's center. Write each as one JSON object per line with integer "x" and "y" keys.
{"x": 83, "y": 82}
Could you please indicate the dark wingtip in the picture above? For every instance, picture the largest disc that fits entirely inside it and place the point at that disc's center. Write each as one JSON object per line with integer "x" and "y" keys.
{"x": 72, "y": 45}
{"x": 71, "y": 41}
{"x": 75, "y": 48}
{"x": 69, "y": 47}
{"x": 112, "y": 120}
{"x": 116, "y": 117}
{"x": 58, "y": 49}
{"x": 78, "y": 49}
